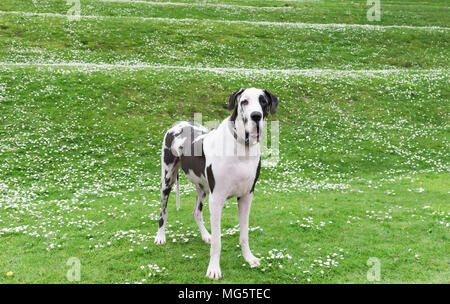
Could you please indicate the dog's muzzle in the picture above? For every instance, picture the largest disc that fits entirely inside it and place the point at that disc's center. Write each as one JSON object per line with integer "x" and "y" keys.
{"x": 256, "y": 130}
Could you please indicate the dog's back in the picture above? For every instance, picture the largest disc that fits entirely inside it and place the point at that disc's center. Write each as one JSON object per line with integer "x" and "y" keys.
{"x": 183, "y": 146}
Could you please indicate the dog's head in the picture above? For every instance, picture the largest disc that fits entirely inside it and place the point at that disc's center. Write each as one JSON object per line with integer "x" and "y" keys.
{"x": 250, "y": 107}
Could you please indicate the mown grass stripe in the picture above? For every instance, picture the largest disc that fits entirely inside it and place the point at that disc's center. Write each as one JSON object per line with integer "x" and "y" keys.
{"x": 201, "y": 4}
{"x": 342, "y": 12}
{"x": 222, "y": 69}
{"x": 162, "y": 42}
{"x": 263, "y": 23}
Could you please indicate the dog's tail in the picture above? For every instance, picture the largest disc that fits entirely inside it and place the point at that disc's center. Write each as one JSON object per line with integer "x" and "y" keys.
{"x": 178, "y": 191}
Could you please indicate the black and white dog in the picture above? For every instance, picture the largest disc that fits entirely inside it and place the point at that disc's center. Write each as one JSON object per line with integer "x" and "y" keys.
{"x": 224, "y": 162}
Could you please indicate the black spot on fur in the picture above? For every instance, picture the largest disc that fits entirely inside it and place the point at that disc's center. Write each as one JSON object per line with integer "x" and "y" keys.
{"x": 211, "y": 180}
{"x": 196, "y": 163}
{"x": 192, "y": 156}
{"x": 169, "y": 140}
{"x": 256, "y": 175}
{"x": 166, "y": 179}
{"x": 179, "y": 132}
{"x": 161, "y": 222}
{"x": 168, "y": 156}
{"x": 166, "y": 191}
{"x": 200, "y": 207}
{"x": 264, "y": 105}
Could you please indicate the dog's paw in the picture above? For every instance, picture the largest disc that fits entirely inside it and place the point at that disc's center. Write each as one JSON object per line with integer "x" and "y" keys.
{"x": 214, "y": 272}
{"x": 206, "y": 238}
{"x": 253, "y": 261}
{"x": 160, "y": 239}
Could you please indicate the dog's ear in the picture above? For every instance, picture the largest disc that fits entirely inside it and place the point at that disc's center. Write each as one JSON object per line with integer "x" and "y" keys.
{"x": 233, "y": 98}
{"x": 273, "y": 101}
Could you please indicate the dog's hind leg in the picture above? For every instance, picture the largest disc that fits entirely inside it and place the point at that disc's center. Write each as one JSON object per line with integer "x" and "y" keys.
{"x": 169, "y": 165}
{"x": 198, "y": 215}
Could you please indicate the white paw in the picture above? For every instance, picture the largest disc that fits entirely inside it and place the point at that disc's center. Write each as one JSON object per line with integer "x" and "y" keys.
{"x": 253, "y": 261}
{"x": 160, "y": 239}
{"x": 214, "y": 272}
{"x": 206, "y": 238}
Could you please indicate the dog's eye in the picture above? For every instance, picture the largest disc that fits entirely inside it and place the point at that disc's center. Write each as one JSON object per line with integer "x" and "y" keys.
{"x": 244, "y": 102}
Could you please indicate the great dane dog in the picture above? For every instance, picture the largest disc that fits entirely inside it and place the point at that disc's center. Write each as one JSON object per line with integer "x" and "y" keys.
{"x": 224, "y": 163}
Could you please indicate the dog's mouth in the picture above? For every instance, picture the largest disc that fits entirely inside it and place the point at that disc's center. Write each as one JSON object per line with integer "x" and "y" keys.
{"x": 254, "y": 134}
{"x": 251, "y": 137}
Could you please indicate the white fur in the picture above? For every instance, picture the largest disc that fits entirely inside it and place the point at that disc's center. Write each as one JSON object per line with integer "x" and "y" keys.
{"x": 234, "y": 176}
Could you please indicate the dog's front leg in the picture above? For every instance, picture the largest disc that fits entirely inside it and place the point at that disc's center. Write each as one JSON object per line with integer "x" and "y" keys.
{"x": 215, "y": 207}
{"x": 244, "y": 204}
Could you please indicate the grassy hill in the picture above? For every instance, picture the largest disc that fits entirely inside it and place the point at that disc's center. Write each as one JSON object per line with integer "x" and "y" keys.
{"x": 364, "y": 138}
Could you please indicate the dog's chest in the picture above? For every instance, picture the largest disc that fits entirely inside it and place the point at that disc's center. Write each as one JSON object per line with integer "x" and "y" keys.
{"x": 232, "y": 166}
{"x": 238, "y": 176}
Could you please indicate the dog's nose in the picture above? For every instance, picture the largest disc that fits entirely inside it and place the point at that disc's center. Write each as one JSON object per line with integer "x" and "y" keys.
{"x": 256, "y": 116}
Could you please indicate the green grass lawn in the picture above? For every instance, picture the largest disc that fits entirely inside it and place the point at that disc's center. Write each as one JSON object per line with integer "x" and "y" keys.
{"x": 364, "y": 154}
{"x": 416, "y": 13}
